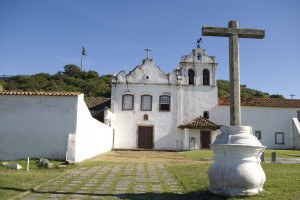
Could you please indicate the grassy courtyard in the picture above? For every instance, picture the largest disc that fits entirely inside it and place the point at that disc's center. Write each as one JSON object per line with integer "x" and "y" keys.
{"x": 189, "y": 168}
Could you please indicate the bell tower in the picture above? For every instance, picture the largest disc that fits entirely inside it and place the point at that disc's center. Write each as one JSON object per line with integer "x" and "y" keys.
{"x": 198, "y": 68}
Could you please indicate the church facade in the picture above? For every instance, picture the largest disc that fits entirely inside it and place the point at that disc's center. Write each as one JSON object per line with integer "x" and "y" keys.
{"x": 181, "y": 110}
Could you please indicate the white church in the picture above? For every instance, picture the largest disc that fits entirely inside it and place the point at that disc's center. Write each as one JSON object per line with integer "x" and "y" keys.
{"x": 149, "y": 109}
{"x": 181, "y": 110}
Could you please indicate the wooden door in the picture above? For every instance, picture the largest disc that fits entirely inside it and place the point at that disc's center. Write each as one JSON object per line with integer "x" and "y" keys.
{"x": 145, "y": 137}
{"x": 205, "y": 139}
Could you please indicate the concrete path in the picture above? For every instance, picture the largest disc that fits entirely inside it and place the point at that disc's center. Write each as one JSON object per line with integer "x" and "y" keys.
{"x": 112, "y": 181}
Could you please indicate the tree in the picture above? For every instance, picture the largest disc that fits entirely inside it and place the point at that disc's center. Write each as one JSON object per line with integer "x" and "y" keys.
{"x": 73, "y": 71}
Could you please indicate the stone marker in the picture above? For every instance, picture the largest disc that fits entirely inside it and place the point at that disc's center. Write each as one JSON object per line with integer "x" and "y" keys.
{"x": 262, "y": 157}
{"x": 45, "y": 163}
{"x": 14, "y": 166}
{"x": 236, "y": 169}
{"x": 273, "y": 160}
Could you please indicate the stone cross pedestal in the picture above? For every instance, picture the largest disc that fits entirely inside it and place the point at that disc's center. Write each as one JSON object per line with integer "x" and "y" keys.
{"x": 236, "y": 169}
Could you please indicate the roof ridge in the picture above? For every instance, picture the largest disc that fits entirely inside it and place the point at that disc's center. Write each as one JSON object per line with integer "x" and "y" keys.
{"x": 264, "y": 102}
{"x": 39, "y": 93}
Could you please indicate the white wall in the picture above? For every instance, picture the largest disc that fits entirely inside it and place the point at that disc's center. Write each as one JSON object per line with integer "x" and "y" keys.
{"x": 92, "y": 137}
{"x": 296, "y": 133}
{"x": 127, "y": 121}
{"x": 187, "y": 101}
{"x": 268, "y": 120}
{"x": 36, "y": 126}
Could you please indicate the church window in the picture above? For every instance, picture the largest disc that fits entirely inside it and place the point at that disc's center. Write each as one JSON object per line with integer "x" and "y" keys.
{"x": 206, "y": 114}
{"x": 279, "y": 138}
{"x": 127, "y": 102}
{"x": 191, "y": 75}
{"x": 164, "y": 103}
{"x": 206, "y": 77}
{"x": 258, "y": 134}
{"x": 146, "y": 103}
{"x": 199, "y": 56}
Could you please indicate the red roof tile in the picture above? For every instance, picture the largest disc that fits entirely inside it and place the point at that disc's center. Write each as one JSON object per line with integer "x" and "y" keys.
{"x": 264, "y": 102}
{"x": 39, "y": 93}
{"x": 200, "y": 123}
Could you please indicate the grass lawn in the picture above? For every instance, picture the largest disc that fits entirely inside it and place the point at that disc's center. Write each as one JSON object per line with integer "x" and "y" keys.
{"x": 282, "y": 181}
{"x": 14, "y": 182}
{"x": 208, "y": 154}
{"x": 188, "y": 167}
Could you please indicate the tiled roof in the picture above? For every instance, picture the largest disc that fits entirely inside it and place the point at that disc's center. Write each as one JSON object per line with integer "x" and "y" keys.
{"x": 264, "y": 102}
{"x": 39, "y": 93}
{"x": 200, "y": 123}
{"x": 97, "y": 103}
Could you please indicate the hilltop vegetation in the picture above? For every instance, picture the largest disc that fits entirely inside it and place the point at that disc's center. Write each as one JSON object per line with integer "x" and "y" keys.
{"x": 224, "y": 91}
{"x": 73, "y": 79}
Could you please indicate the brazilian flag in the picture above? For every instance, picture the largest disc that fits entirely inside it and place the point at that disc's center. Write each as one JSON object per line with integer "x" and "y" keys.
{"x": 83, "y": 51}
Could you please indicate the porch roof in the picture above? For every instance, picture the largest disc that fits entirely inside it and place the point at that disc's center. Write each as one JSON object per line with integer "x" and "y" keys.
{"x": 200, "y": 123}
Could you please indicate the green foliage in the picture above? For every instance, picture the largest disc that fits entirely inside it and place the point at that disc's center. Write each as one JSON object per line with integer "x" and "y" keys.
{"x": 224, "y": 91}
{"x": 72, "y": 79}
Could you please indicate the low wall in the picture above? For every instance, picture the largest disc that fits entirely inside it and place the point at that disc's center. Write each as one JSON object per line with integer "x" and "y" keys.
{"x": 91, "y": 138}
{"x": 36, "y": 126}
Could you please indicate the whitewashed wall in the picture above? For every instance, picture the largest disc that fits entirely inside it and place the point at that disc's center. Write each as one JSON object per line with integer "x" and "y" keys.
{"x": 268, "y": 120}
{"x": 127, "y": 121}
{"x": 50, "y": 127}
{"x": 36, "y": 126}
{"x": 92, "y": 137}
{"x": 187, "y": 101}
{"x": 296, "y": 132}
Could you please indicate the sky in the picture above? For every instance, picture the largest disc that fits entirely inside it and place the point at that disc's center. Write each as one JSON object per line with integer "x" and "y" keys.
{"x": 42, "y": 36}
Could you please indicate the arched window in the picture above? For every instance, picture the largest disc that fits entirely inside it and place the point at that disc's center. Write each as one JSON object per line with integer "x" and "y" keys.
{"x": 206, "y": 77}
{"x": 191, "y": 75}
{"x": 146, "y": 117}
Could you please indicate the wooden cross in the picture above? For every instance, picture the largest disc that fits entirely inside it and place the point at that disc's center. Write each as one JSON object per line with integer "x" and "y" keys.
{"x": 234, "y": 33}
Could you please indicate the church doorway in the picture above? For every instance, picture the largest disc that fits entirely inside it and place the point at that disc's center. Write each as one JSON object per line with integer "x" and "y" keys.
{"x": 205, "y": 139}
{"x": 145, "y": 137}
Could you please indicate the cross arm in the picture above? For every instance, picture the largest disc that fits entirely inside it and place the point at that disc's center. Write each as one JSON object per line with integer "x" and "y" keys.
{"x": 227, "y": 32}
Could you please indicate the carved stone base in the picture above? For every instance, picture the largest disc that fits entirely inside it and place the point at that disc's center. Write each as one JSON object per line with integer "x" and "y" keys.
{"x": 236, "y": 169}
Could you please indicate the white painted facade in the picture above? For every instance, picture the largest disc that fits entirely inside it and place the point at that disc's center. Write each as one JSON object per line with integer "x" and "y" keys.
{"x": 49, "y": 126}
{"x": 187, "y": 101}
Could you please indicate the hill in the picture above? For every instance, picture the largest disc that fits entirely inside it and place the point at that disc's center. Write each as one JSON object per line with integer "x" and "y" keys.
{"x": 73, "y": 79}
{"x": 224, "y": 91}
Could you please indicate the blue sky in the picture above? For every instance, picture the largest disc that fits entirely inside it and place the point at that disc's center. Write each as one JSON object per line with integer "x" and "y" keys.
{"x": 43, "y": 36}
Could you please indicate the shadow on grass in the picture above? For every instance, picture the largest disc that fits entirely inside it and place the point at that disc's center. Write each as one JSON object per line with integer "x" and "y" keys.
{"x": 13, "y": 189}
{"x": 205, "y": 194}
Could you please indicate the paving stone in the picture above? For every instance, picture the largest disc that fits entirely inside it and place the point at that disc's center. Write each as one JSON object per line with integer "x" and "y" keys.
{"x": 92, "y": 189}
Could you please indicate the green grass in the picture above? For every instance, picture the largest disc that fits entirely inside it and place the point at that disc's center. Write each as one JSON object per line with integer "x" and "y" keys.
{"x": 204, "y": 155}
{"x": 282, "y": 181}
{"x": 14, "y": 182}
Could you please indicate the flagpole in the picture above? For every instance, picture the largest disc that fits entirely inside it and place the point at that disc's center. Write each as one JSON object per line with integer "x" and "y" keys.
{"x": 81, "y": 61}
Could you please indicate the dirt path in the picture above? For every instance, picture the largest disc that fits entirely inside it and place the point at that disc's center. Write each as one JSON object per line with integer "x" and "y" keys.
{"x": 144, "y": 157}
